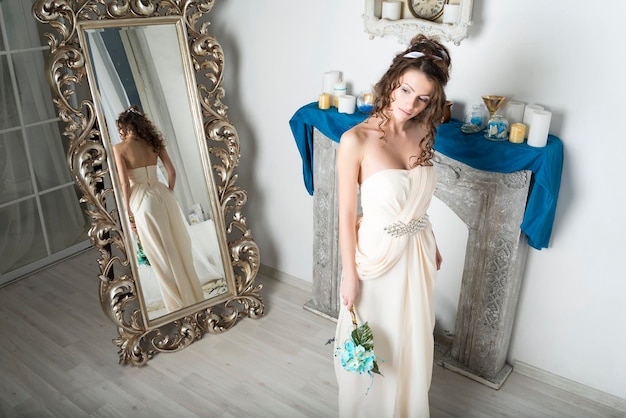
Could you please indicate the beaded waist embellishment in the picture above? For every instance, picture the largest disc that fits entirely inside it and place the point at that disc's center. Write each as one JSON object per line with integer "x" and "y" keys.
{"x": 398, "y": 229}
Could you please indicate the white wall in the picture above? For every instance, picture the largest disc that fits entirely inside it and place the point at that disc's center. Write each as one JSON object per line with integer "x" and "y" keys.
{"x": 573, "y": 307}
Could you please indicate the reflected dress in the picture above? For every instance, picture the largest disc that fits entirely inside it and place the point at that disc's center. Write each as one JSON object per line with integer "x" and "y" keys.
{"x": 163, "y": 234}
{"x": 397, "y": 271}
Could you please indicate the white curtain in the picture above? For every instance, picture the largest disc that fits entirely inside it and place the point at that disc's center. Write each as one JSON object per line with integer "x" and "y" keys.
{"x": 112, "y": 95}
{"x": 38, "y": 217}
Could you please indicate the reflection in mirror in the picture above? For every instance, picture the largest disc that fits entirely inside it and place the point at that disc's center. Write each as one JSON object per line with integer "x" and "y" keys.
{"x": 106, "y": 55}
{"x": 142, "y": 66}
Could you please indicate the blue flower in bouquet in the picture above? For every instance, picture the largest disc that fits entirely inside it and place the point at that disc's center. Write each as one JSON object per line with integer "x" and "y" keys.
{"x": 355, "y": 358}
{"x": 357, "y": 352}
{"x": 141, "y": 256}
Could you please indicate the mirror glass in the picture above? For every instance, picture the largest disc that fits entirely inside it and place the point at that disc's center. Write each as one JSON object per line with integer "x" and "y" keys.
{"x": 142, "y": 65}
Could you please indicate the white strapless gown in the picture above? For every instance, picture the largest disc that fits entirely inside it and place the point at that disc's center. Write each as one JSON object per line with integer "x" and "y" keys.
{"x": 164, "y": 237}
{"x": 396, "y": 298}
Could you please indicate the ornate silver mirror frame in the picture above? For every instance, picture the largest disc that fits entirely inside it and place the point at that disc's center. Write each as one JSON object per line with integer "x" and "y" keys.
{"x": 91, "y": 163}
{"x": 406, "y": 29}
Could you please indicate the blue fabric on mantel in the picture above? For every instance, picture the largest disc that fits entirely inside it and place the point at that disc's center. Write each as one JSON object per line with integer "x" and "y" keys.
{"x": 474, "y": 150}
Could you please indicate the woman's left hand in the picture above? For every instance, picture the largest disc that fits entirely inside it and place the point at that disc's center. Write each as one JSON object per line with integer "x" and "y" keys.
{"x": 438, "y": 259}
{"x": 131, "y": 218}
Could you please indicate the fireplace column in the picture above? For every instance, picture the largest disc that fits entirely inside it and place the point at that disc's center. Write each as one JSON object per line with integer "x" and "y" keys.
{"x": 492, "y": 206}
{"x": 326, "y": 257}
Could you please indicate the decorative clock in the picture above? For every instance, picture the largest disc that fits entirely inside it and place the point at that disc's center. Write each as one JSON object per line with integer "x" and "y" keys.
{"x": 426, "y": 9}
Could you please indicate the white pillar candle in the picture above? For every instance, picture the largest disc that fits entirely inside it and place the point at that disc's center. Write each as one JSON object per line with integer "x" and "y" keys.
{"x": 378, "y": 8}
{"x": 451, "y": 13}
{"x": 514, "y": 111}
{"x": 339, "y": 89}
{"x": 539, "y": 128}
{"x": 392, "y": 10}
{"x": 528, "y": 116}
{"x": 347, "y": 103}
{"x": 370, "y": 8}
{"x": 329, "y": 80}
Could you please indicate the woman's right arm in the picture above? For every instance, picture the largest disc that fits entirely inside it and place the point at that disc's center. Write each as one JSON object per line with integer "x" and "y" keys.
{"x": 169, "y": 168}
{"x": 348, "y": 166}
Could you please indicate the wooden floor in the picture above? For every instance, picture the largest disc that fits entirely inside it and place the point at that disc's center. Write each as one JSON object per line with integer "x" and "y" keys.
{"x": 58, "y": 360}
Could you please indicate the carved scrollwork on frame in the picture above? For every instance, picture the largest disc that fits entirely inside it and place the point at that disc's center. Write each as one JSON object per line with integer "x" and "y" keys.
{"x": 90, "y": 166}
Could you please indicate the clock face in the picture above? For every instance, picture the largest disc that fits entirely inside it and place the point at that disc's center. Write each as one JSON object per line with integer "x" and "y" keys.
{"x": 426, "y": 9}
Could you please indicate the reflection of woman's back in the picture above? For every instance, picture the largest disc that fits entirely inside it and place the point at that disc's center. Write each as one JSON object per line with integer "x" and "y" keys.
{"x": 164, "y": 238}
{"x": 154, "y": 210}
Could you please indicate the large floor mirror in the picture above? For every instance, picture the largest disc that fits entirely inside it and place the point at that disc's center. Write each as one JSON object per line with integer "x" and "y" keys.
{"x": 158, "y": 57}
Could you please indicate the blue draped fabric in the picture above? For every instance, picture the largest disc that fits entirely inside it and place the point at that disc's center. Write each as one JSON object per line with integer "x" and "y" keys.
{"x": 474, "y": 150}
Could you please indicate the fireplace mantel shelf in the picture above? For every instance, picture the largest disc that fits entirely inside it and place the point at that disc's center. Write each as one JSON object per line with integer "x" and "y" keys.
{"x": 474, "y": 150}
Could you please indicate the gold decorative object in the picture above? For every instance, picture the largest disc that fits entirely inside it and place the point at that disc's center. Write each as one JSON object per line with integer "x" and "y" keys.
{"x": 497, "y": 126}
{"x": 71, "y": 78}
{"x": 493, "y": 103}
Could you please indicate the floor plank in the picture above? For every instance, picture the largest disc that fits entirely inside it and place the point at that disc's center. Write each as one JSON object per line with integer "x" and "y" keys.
{"x": 58, "y": 360}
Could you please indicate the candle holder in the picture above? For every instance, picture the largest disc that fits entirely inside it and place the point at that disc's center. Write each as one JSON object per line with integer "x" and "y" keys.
{"x": 475, "y": 119}
{"x": 365, "y": 102}
{"x": 497, "y": 128}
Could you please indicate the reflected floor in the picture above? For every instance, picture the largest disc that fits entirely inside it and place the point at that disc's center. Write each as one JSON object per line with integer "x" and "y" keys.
{"x": 210, "y": 289}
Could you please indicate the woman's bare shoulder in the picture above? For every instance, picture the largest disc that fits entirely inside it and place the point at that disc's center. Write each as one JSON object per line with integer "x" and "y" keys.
{"x": 119, "y": 147}
{"x": 361, "y": 134}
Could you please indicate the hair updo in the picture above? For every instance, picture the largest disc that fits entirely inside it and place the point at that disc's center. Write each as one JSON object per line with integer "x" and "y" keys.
{"x": 132, "y": 119}
{"x": 431, "y": 58}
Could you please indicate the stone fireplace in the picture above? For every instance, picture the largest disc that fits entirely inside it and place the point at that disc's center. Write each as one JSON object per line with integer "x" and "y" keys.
{"x": 492, "y": 207}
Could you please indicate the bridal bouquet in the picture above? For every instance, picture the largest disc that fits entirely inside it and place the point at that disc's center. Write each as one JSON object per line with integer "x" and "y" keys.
{"x": 141, "y": 256}
{"x": 357, "y": 352}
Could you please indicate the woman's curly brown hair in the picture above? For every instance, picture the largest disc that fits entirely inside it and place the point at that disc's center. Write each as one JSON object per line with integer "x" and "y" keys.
{"x": 435, "y": 64}
{"x": 132, "y": 119}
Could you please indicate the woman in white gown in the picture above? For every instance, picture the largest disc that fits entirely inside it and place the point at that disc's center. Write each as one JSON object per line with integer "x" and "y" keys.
{"x": 153, "y": 210}
{"x": 389, "y": 255}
